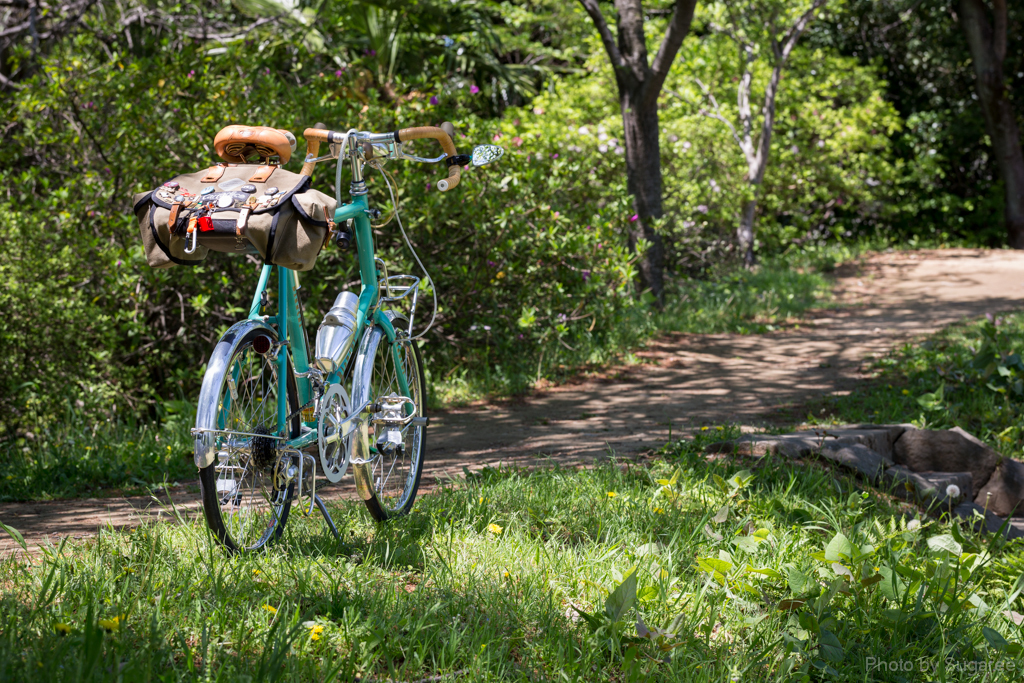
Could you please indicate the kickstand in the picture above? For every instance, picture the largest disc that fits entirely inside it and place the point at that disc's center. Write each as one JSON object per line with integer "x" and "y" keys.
{"x": 327, "y": 516}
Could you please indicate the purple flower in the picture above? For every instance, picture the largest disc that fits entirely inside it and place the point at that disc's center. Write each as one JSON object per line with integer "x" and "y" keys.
{"x": 337, "y": 74}
{"x": 192, "y": 73}
{"x": 492, "y": 264}
{"x": 590, "y": 227}
{"x": 586, "y": 275}
{"x": 554, "y": 156}
{"x": 119, "y": 262}
{"x": 634, "y": 217}
{"x": 368, "y": 51}
{"x": 267, "y": 71}
{"x": 702, "y": 208}
{"x": 433, "y": 99}
{"x": 473, "y": 90}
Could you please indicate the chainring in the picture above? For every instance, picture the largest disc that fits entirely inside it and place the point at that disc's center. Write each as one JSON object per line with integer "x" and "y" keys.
{"x": 334, "y": 452}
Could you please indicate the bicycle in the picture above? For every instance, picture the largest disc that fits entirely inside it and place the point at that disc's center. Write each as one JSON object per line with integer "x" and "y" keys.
{"x": 269, "y": 413}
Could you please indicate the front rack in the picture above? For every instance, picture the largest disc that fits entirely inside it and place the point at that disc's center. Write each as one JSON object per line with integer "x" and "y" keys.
{"x": 398, "y": 288}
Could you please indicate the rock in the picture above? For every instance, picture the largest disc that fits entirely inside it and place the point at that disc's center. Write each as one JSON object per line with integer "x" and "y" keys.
{"x": 926, "y": 450}
{"x": 879, "y": 438}
{"x": 991, "y": 522}
{"x": 1004, "y": 492}
{"x": 751, "y": 446}
{"x": 858, "y": 457}
{"x": 928, "y": 489}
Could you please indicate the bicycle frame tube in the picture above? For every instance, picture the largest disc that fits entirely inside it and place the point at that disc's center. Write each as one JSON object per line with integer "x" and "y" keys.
{"x": 289, "y": 325}
{"x": 290, "y": 334}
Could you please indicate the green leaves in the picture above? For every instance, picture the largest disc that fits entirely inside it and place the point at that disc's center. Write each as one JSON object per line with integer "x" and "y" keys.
{"x": 945, "y": 544}
{"x": 622, "y": 598}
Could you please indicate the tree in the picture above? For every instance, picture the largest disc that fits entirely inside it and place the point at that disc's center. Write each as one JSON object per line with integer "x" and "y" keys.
{"x": 750, "y": 26}
{"x": 987, "y": 41}
{"x": 639, "y": 85}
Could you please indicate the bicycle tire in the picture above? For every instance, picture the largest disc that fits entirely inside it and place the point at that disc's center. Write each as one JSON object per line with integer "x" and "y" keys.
{"x": 259, "y": 393}
{"x": 374, "y": 376}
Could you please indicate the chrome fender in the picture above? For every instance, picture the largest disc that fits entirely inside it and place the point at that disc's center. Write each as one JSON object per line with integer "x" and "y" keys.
{"x": 213, "y": 382}
{"x": 362, "y": 373}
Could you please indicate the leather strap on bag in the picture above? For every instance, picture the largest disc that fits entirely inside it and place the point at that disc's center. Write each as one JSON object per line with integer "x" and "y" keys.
{"x": 173, "y": 220}
{"x": 214, "y": 173}
{"x": 262, "y": 174}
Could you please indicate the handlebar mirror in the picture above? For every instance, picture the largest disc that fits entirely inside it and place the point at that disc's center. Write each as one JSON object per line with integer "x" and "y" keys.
{"x": 485, "y": 154}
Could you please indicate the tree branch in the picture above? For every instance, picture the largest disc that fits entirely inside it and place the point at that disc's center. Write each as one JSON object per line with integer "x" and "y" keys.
{"x": 606, "y": 34}
{"x": 793, "y": 34}
{"x": 678, "y": 28}
{"x": 718, "y": 112}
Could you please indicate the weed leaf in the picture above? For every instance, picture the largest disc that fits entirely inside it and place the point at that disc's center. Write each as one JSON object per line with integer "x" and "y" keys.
{"x": 839, "y": 549}
{"x": 622, "y": 598}
{"x": 995, "y": 638}
{"x": 831, "y": 648}
{"x": 722, "y": 515}
{"x": 945, "y": 543}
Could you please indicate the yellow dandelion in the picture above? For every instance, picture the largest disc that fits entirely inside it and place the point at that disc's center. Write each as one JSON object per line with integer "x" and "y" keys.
{"x": 720, "y": 428}
{"x": 612, "y": 494}
{"x": 110, "y": 625}
{"x": 256, "y": 572}
{"x": 506, "y": 575}
{"x": 272, "y": 610}
{"x": 906, "y": 392}
{"x": 494, "y": 528}
{"x": 62, "y": 628}
{"x": 315, "y": 631}
{"x": 659, "y": 511}
{"x": 704, "y": 429}
{"x": 500, "y": 275}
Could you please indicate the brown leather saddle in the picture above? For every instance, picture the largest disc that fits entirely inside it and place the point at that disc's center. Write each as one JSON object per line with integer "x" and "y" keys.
{"x": 237, "y": 143}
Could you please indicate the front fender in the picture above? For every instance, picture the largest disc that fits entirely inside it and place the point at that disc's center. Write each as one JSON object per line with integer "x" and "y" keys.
{"x": 204, "y": 451}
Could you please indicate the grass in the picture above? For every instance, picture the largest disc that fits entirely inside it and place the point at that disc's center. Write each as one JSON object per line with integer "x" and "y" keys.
{"x": 744, "y": 301}
{"x": 791, "y": 572}
{"x": 968, "y": 375}
{"x": 80, "y": 456}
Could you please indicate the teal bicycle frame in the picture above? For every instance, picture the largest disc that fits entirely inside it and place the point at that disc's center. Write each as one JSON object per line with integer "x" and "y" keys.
{"x": 291, "y": 334}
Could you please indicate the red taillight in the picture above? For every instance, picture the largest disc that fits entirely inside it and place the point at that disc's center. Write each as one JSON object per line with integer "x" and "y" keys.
{"x": 261, "y": 344}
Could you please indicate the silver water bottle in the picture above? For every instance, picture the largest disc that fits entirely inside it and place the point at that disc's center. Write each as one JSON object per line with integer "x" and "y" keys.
{"x": 336, "y": 333}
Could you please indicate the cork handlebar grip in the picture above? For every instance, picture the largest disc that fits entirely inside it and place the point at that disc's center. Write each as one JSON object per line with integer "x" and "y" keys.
{"x": 439, "y": 134}
{"x": 314, "y": 136}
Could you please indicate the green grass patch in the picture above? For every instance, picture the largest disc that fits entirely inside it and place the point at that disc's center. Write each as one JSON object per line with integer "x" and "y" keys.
{"x": 968, "y": 375}
{"x": 745, "y": 301}
{"x": 80, "y": 456}
{"x": 684, "y": 570}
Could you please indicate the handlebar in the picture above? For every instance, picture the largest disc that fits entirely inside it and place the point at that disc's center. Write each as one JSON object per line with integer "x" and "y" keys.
{"x": 390, "y": 143}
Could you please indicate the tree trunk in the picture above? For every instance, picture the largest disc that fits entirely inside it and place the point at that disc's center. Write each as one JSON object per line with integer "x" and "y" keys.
{"x": 745, "y": 233}
{"x": 643, "y": 181}
{"x": 988, "y": 50}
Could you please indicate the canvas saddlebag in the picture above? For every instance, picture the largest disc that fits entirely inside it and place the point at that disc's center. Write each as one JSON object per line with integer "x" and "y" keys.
{"x": 237, "y": 209}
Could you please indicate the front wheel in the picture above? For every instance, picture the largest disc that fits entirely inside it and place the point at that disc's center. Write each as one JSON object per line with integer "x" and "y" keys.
{"x": 388, "y": 480}
{"x": 238, "y": 437}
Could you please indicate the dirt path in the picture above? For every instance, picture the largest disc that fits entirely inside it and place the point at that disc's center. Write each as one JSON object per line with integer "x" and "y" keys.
{"x": 684, "y": 381}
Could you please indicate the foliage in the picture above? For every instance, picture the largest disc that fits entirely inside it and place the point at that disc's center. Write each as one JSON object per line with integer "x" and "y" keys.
{"x": 949, "y": 188}
{"x": 968, "y": 375}
{"x": 118, "y": 335}
{"x": 489, "y": 576}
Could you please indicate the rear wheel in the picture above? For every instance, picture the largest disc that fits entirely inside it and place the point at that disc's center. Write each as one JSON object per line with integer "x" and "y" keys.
{"x": 244, "y": 504}
{"x": 389, "y": 479}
